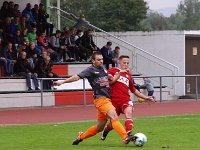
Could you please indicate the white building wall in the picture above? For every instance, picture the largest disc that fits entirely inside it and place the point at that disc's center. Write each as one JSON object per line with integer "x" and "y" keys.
{"x": 168, "y": 45}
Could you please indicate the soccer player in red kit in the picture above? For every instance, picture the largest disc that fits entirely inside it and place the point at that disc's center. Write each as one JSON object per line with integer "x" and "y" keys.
{"x": 120, "y": 84}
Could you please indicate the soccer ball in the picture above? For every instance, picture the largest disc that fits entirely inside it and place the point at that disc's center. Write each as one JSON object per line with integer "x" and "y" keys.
{"x": 141, "y": 139}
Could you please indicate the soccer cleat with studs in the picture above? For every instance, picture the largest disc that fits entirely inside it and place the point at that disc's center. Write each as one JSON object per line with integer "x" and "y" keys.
{"x": 78, "y": 139}
{"x": 104, "y": 135}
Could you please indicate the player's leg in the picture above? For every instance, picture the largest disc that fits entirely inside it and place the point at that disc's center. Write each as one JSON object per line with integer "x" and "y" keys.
{"x": 128, "y": 112}
{"x": 109, "y": 127}
{"x": 93, "y": 130}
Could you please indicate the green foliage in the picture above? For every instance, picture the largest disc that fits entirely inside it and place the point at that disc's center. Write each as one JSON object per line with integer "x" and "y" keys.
{"x": 175, "y": 132}
{"x": 115, "y": 15}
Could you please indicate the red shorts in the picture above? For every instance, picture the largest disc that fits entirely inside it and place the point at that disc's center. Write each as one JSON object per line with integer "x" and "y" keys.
{"x": 121, "y": 105}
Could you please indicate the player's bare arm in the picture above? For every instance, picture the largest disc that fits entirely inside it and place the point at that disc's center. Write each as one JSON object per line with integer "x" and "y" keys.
{"x": 68, "y": 80}
{"x": 148, "y": 99}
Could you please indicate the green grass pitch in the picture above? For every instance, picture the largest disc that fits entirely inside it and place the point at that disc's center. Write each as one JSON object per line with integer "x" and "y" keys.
{"x": 181, "y": 132}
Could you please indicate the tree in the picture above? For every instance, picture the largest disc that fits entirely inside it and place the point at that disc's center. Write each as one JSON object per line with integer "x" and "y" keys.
{"x": 190, "y": 9}
{"x": 115, "y": 15}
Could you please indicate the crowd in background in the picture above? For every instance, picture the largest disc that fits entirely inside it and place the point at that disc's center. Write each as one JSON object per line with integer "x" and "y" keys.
{"x": 29, "y": 46}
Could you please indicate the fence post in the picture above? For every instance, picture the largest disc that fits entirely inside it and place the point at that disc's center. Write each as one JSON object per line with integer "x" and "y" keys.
{"x": 84, "y": 93}
{"x": 160, "y": 89}
{"x": 41, "y": 84}
{"x": 196, "y": 84}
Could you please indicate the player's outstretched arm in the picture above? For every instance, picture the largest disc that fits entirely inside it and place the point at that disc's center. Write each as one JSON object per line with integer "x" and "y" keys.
{"x": 148, "y": 99}
{"x": 68, "y": 80}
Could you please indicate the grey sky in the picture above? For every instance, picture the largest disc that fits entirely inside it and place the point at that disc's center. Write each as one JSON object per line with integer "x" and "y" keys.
{"x": 159, "y": 4}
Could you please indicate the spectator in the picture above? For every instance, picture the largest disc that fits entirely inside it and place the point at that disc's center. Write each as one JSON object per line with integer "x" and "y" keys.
{"x": 55, "y": 43}
{"x": 43, "y": 42}
{"x": 44, "y": 70}
{"x": 11, "y": 10}
{"x": 11, "y": 58}
{"x": 8, "y": 36}
{"x": 149, "y": 86}
{"x": 34, "y": 11}
{"x": 86, "y": 44}
{"x": 15, "y": 23}
{"x": 4, "y": 11}
{"x": 32, "y": 36}
{"x": 42, "y": 20}
{"x": 17, "y": 12}
{"x": 25, "y": 70}
{"x": 18, "y": 39}
{"x": 24, "y": 26}
{"x": 80, "y": 21}
{"x": 107, "y": 54}
{"x": 28, "y": 13}
{"x": 115, "y": 56}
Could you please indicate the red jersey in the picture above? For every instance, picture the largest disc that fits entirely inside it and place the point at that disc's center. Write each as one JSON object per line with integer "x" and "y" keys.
{"x": 119, "y": 91}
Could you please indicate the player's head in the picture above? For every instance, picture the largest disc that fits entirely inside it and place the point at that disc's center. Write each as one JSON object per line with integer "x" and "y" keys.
{"x": 123, "y": 61}
{"x": 97, "y": 59}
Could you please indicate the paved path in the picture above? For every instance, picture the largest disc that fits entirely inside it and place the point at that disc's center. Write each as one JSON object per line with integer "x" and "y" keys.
{"x": 82, "y": 113}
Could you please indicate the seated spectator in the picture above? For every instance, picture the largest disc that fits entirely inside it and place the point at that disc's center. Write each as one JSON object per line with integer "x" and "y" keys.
{"x": 10, "y": 56}
{"x": 149, "y": 86}
{"x": 43, "y": 25}
{"x": 17, "y": 12}
{"x": 32, "y": 36}
{"x": 42, "y": 41}
{"x": 44, "y": 70}
{"x": 25, "y": 70}
{"x": 24, "y": 26}
{"x": 15, "y": 23}
{"x": 34, "y": 11}
{"x": 28, "y": 13}
{"x": 4, "y": 11}
{"x": 86, "y": 44}
{"x": 55, "y": 43}
{"x": 8, "y": 35}
{"x": 115, "y": 56}
{"x": 11, "y": 11}
{"x": 72, "y": 49}
{"x": 107, "y": 54}
{"x": 63, "y": 47}
{"x": 32, "y": 53}
{"x": 18, "y": 38}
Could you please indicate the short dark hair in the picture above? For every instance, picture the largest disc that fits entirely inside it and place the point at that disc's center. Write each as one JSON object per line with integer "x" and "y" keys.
{"x": 123, "y": 56}
{"x": 117, "y": 47}
{"x": 95, "y": 54}
{"x": 109, "y": 43}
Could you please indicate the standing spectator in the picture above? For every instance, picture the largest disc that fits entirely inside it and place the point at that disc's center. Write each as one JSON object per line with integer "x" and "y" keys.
{"x": 107, "y": 54}
{"x": 7, "y": 32}
{"x": 11, "y": 58}
{"x": 25, "y": 70}
{"x": 80, "y": 21}
{"x": 42, "y": 20}
{"x": 115, "y": 56}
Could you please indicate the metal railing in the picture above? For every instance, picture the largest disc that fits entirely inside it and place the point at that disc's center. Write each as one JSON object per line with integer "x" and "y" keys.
{"x": 141, "y": 61}
{"x": 195, "y": 78}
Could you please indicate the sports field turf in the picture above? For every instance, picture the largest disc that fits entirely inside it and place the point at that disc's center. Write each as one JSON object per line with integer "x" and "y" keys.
{"x": 181, "y": 132}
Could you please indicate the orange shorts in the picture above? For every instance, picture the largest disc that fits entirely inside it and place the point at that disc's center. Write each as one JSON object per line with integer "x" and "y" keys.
{"x": 103, "y": 105}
